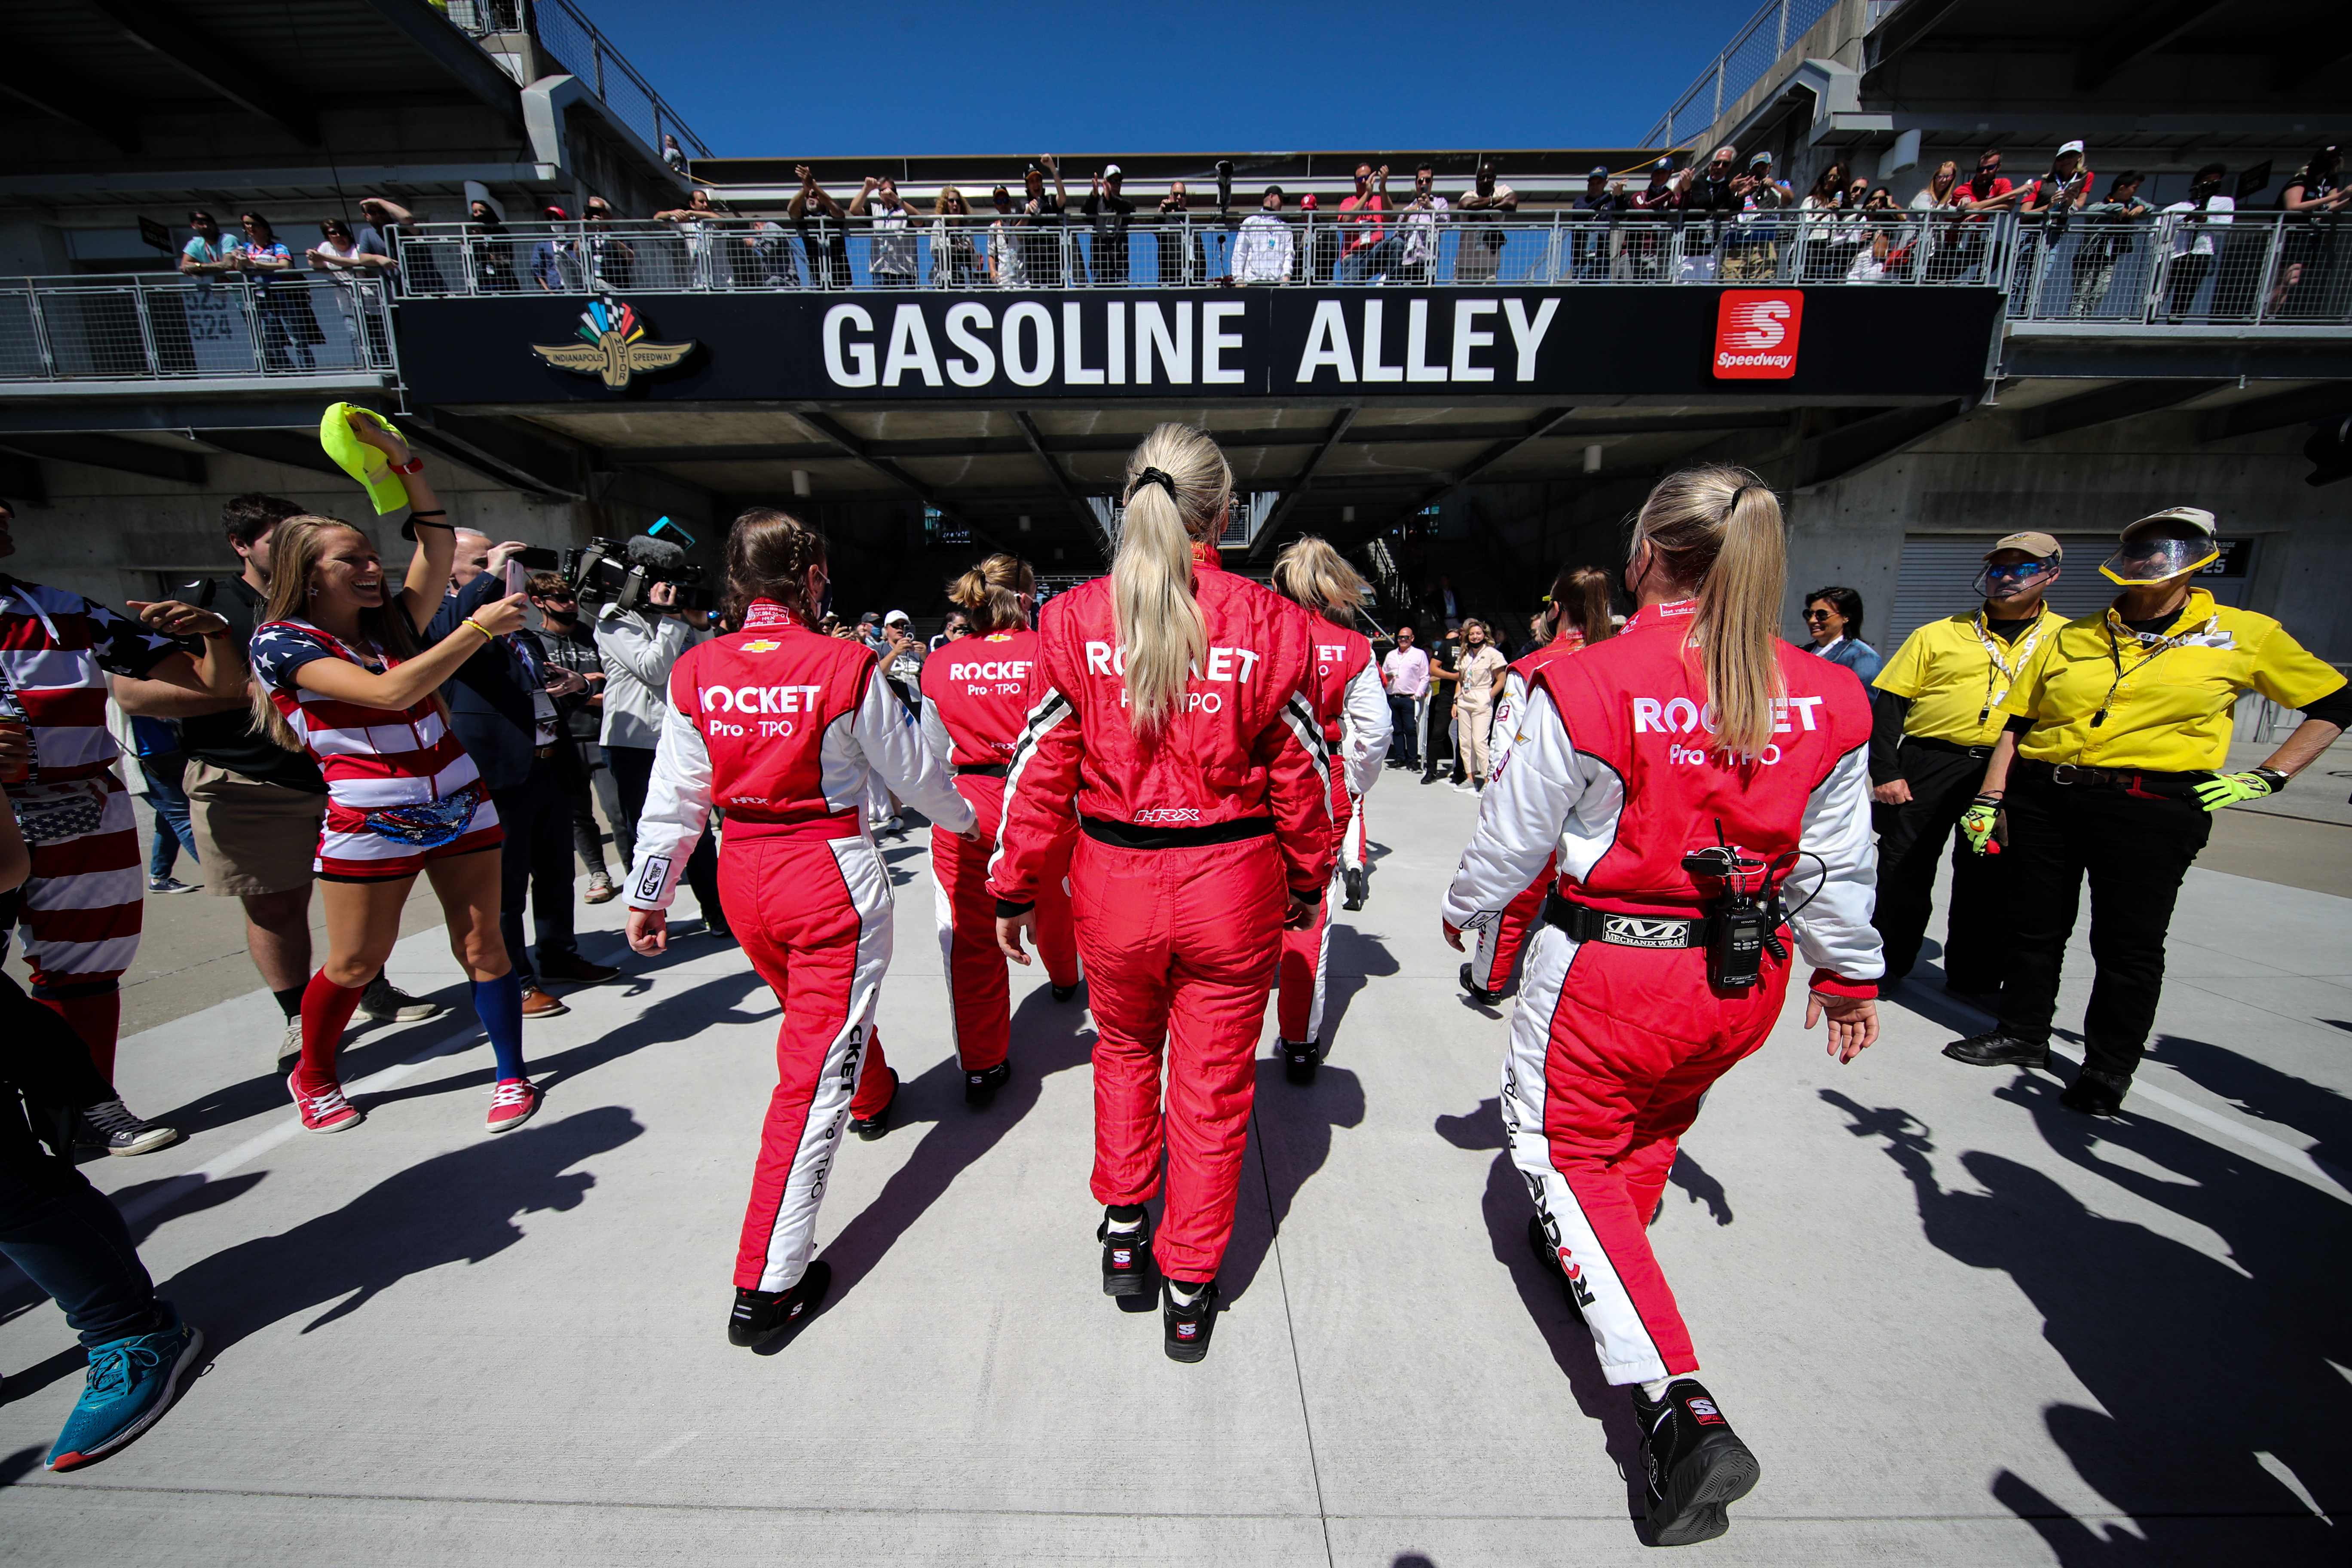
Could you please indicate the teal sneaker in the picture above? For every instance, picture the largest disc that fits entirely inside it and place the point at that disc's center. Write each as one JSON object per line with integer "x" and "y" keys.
{"x": 131, "y": 1382}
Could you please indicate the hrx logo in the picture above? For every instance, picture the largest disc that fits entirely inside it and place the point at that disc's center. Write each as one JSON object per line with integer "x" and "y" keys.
{"x": 1756, "y": 334}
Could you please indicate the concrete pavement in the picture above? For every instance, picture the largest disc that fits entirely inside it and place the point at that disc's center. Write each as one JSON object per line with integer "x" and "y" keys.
{"x": 1957, "y": 1323}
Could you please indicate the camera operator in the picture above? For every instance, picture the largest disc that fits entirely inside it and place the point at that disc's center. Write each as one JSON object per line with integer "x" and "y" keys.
{"x": 566, "y": 643}
{"x": 637, "y": 647}
{"x": 502, "y": 708}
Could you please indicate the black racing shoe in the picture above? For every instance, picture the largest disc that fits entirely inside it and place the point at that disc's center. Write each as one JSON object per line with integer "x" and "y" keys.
{"x": 2096, "y": 1093}
{"x": 1127, "y": 1253}
{"x": 871, "y": 1127}
{"x": 1064, "y": 993}
{"x": 1356, "y": 888}
{"x": 1696, "y": 1465}
{"x": 1187, "y": 1324}
{"x": 1573, "y": 1291}
{"x": 760, "y": 1315}
{"x": 980, "y": 1087}
{"x": 1476, "y": 992}
{"x": 1994, "y": 1050}
{"x": 1300, "y": 1059}
{"x": 108, "y": 1125}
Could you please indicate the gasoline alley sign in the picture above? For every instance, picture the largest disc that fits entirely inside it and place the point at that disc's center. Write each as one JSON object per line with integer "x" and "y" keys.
{"x": 1433, "y": 346}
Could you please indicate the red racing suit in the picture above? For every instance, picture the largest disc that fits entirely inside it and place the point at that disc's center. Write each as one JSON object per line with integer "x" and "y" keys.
{"x": 1611, "y": 768}
{"x": 1188, "y": 837}
{"x": 1344, "y": 689}
{"x": 1496, "y": 954}
{"x": 976, "y": 696}
{"x": 783, "y": 728}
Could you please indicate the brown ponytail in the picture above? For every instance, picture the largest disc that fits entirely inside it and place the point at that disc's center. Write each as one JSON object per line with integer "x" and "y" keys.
{"x": 1718, "y": 532}
{"x": 990, "y": 594}
{"x": 769, "y": 554}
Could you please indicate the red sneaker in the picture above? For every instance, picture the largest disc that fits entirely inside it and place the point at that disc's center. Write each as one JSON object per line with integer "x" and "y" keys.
{"x": 326, "y": 1112}
{"x": 513, "y": 1102}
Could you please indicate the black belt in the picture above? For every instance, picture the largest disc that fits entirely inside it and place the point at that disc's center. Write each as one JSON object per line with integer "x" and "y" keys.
{"x": 1138, "y": 836}
{"x": 985, "y": 770}
{"x": 542, "y": 751}
{"x": 1583, "y": 922}
{"x": 2131, "y": 781}
{"x": 1928, "y": 743}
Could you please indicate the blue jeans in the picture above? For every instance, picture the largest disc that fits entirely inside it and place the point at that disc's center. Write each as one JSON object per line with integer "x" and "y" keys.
{"x": 163, "y": 772}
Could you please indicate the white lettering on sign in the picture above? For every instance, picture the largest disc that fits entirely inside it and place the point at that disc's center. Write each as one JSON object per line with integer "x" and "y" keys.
{"x": 1416, "y": 344}
{"x": 1373, "y": 369}
{"x": 1214, "y": 342}
{"x": 1152, "y": 337}
{"x": 978, "y": 367}
{"x": 1075, "y": 372}
{"x": 1037, "y": 369}
{"x": 991, "y": 669}
{"x": 1528, "y": 336}
{"x": 1327, "y": 343}
{"x": 910, "y": 348}
{"x": 1466, "y": 337}
{"x": 857, "y": 368}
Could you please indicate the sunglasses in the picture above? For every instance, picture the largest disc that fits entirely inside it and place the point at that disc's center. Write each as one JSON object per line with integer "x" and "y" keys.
{"x": 1817, "y": 614}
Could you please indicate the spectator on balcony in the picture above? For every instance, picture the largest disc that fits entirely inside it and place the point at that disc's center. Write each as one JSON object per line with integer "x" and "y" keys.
{"x": 955, "y": 253}
{"x": 892, "y": 261}
{"x": 1594, "y": 238}
{"x": 1880, "y": 250}
{"x": 1363, "y": 229}
{"x": 697, "y": 224}
{"x": 418, "y": 270}
{"x": 1420, "y": 228}
{"x": 1110, "y": 214}
{"x": 1708, "y": 200}
{"x": 1985, "y": 192}
{"x": 2195, "y": 223}
{"x": 1851, "y": 238}
{"x": 767, "y": 256}
{"x": 1008, "y": 265}
{"x": 492, "y": 249}
{"x": 555, "y": 261}
{"x": 1641, "y": 257}
{"x": 1178, "y": 265}
{"x": 673, "y": 155}
{"x": 1752, "y": 251}
{"x": 1042, "y": 237}
{"x": 611, "y": 260}
{"x": 1939, "y": 231}
{"x": 1478, "y": 255}
{"x": 2111, "y": 231}
{"x": 2060, "y": 191}
{"x": 356, "y": 269}
{"x": 206, "y": 256}
{"x": 281, "y": 302}
{"x": 1322, "y": 242}
{"x": 824, "y": 239}
{"x": 1265, "y": 252}
{"x": 2308, "y": 253}
{"x": 1818, "y": 218}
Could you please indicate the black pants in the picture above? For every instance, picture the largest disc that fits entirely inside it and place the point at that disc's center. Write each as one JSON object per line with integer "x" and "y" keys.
{"x": 1439, "y": 746}
{"x": 537, "y": 863}
{"x": 587, "y": 759}
{"x": 632, "y": 771}
{"x": 2188, "y": 276}
{"x": 2135, "y": 851}
{"x": 1911, "y": 839}
{"x": 1404, "y": 730}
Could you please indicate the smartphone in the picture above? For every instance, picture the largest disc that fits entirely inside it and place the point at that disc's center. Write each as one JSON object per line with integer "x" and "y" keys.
{"x": 518, "y": 576}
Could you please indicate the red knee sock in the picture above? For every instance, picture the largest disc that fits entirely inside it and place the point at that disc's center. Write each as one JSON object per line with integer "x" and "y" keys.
{"x": 326, "y": 1010}
{"x": 96, "y": 1019}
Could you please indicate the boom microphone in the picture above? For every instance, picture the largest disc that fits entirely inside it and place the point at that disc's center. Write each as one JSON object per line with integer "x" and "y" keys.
{"x": 659, "y": 554}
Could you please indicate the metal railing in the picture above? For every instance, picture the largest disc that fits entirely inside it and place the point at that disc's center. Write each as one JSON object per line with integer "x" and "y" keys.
{"x": 137, "y": 327}
{"x": 1743, "y": 63}
{"x": 568, "y": 35}
{"x": 2183, "y": 268}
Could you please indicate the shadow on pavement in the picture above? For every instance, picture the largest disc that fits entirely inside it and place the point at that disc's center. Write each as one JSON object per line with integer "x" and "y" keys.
{"x": 2210, "y": 1379}
{"x": 1506, "y": 1208}
{"x": 458, "y": 1207}
{"x": 2264, "y": 1092}
{"x": 1048, "y": 1036}
{"x": 1291, "y": 1124}
{"x": 1355, "y": 957}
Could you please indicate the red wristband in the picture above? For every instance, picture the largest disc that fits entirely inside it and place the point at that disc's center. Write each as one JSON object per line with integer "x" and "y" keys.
{"x": 414, "y": 466}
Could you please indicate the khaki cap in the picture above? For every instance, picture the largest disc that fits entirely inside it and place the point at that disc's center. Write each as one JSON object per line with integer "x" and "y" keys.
{"x": 2041, "y": 546}
{"x": 2196, "y": 516}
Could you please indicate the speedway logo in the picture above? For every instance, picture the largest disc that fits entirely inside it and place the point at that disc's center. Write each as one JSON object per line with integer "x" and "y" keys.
{"x": 1756, "y": 334}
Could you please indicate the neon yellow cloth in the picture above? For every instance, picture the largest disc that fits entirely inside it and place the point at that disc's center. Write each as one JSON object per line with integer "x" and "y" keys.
{"x": 361, "y": 461}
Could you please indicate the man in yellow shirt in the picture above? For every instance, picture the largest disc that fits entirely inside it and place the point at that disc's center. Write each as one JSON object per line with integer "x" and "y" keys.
{"x": 1937, "y": 714}
{"x": 2108, "y": 770}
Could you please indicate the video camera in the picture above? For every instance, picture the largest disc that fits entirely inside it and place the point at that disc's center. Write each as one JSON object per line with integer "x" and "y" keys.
{"x": 611, "y": 572}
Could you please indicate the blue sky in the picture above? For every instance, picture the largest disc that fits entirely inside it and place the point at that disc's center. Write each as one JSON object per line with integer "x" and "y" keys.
{"x": 910, "y": 76}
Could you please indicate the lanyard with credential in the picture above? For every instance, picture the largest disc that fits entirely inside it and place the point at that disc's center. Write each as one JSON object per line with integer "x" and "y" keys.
{"x": 2153, "y": 642}
{"x": 1998, "y": 668}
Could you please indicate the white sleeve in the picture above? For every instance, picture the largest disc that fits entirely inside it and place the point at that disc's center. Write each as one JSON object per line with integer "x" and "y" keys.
{"x": 890, "y": 739}
{"x": 1365, "y": 729}
{"x": 677, "y": 809}
{"x": 1508, "y": 705}
{"x": 1833, "y": 929}
{"x": 935, "y": 731}
{"x": 1520, "y": 815}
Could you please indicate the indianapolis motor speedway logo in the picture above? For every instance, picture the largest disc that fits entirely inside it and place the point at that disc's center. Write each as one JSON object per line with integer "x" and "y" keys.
{"x": 612, "y": 346}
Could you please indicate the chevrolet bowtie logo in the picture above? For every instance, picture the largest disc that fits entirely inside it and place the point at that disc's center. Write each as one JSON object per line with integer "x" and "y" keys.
{"x": 613, "y": 346}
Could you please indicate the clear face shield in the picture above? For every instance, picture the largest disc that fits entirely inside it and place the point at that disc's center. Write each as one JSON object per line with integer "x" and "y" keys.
{"x": 2019, "y": 581}
{"x": 2154, "y": 557}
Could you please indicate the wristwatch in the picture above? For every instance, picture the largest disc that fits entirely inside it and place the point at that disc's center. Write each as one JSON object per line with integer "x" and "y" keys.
{"x": 2271, "y": 776}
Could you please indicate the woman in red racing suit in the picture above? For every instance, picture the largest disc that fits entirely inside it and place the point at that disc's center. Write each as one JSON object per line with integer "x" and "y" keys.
{"x": 1172, "y": 735}
{"x": 975, "y": 699}
{"x": 783, "y": 727}
{"x": 1345, "y": 691}
{"x": 1637, "y": 763}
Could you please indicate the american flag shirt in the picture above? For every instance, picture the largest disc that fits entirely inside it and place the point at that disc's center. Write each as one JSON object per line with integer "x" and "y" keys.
{"x": 56, "y": 648}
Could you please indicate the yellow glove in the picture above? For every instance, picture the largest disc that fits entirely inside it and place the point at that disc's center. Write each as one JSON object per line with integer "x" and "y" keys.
{"x": 1983, "y": 825}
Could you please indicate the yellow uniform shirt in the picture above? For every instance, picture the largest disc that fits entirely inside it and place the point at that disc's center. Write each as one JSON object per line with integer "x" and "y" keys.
{"x": 1957, "y": 674}
{"x": 2167, "y": 704}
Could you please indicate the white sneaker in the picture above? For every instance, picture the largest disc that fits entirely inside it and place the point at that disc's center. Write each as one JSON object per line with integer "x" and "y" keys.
{"x": 290, "y": 1044}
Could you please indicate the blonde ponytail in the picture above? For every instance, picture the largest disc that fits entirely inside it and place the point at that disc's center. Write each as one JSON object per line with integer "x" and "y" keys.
{"x": 296, "y": 546}
{"x": 1310, "y": 572}
{"x": 1718, "y": 531}
{"x": 990, "y": 594}
{"x": 1177, "y": 486}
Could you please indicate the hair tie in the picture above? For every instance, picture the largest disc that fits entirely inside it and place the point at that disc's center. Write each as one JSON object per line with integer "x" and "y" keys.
{"x": 1154, "y": 477}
